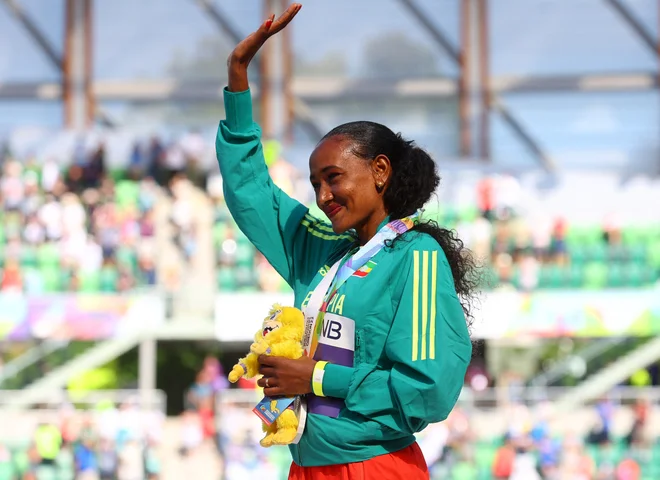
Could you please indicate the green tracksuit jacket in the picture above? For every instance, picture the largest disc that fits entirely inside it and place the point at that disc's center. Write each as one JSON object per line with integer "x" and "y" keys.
{"x": 395, "y": 331}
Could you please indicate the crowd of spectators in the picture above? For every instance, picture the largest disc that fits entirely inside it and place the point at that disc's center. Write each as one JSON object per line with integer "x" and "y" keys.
{"x": 75, "y": 228}
{"x": 109, "y": 442}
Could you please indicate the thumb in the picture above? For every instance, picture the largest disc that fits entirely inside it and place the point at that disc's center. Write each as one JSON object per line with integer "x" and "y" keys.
{"x": 265, "y": 27}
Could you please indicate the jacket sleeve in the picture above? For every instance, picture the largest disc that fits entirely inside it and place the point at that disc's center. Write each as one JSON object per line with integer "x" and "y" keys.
{"x": 428, "y": 347}
{"x": 282, "y": 229}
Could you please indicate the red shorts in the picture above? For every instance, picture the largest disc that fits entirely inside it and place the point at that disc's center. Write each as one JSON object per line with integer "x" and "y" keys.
{"x": 408, "y": 464}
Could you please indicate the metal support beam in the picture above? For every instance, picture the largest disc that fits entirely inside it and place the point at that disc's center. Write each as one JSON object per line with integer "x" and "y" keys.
{"x": 53, "y": 56}
{"x": 88, "y": 79}
{"x": 301, "y": 110}
{"x": 32, "y": 29}
{"x": 485, "y": 92}
{"x": 432, "y": 30}
{"x": 465, "y": 62}
{"x": 493, "y": 102}
{"x": 632, "y": 21}
{"x": 287, "y": 77}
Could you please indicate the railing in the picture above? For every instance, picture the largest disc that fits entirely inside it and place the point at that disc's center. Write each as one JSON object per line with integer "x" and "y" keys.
{"x": 29, "y": 358}
{"x": 151, "y": 400}
{"x": 489, "y": 399}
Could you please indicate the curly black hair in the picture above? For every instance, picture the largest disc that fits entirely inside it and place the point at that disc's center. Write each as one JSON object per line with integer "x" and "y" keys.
{"x": 413, "y": 181}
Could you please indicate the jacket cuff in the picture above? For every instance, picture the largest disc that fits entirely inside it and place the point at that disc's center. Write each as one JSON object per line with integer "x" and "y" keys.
{"x": 238, "y": 110}
{"x": 336, "y": 380}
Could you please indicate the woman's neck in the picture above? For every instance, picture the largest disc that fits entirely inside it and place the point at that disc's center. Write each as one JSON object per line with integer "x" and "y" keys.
{"x": 369, "y": 227}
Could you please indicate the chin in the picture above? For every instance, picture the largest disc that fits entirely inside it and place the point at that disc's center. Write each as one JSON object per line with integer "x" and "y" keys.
{"x": 339, "y": 227}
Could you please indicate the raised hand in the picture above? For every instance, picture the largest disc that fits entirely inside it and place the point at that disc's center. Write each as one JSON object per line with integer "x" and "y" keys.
{"x": 244, "y": 52}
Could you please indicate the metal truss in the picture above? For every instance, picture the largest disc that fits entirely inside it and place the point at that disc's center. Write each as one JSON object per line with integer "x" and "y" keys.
{"x": 304, "y": 90}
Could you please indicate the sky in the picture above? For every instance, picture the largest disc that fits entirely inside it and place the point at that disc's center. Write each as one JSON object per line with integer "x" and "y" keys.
{"x": 140, "y": 40}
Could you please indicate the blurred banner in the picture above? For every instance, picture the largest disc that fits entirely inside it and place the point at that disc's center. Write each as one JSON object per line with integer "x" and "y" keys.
{"x": 77, "y": 317}
{"x": 500, "y": 314}
{"x": 238, "y": 316}
{"x": 569, "y": 314}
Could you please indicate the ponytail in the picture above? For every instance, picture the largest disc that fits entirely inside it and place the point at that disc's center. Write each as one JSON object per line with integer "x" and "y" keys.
{"x": 413, "y": 181}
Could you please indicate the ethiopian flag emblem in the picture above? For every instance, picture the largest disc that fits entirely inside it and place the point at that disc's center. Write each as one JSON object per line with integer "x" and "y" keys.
{"x": 365, "y": 269}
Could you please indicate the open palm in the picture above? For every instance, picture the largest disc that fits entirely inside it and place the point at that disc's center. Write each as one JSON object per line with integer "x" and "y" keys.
{"x": 249, "y": 46}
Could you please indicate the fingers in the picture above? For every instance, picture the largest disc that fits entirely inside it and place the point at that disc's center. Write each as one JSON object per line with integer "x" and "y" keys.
{"x": 267, "y": 371}
{"x": 268, "y": 360}
{"x": 273, "y": 392}
{"x": 284, "y": 19}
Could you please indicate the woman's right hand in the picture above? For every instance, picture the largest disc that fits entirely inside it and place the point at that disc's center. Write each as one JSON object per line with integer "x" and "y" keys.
{"x": 245, "y": 51}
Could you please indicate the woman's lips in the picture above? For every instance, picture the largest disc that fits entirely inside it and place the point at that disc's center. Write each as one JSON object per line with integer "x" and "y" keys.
{"x": 331, "y": 212}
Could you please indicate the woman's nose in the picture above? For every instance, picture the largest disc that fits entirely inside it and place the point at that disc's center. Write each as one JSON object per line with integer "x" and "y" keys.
{"x": 324, "y": 195}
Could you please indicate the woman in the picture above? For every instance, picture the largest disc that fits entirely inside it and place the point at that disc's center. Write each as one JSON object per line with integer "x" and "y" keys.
{"x": 386, "y": 334}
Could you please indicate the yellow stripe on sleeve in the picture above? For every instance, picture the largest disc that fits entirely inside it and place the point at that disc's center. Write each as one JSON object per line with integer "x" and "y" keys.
{"x": 425, "y": 298}
{"x": 415, "y": 305}
{"x": 434, "y": 271}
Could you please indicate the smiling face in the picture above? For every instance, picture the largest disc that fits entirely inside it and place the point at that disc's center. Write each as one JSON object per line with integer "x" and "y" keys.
{"x": 346, "y": 186}
{"x": 271, "y": 324}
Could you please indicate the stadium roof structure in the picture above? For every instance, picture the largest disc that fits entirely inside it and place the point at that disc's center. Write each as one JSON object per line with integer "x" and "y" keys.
{"x": 468, "y": 35}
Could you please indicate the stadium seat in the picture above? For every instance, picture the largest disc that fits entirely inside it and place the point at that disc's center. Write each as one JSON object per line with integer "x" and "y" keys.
{"x": 127, "y": 258}
{"x": 127, "y": 193}
{"x": 653, "y": 253}
{"x": 226, "y": 279}
{"x": 6, "y": 471}
{"x": 52, "y": 279}
{"x": 595, "y": 276}
{"x": 46, "y": 473}
{"x": 21, "y": 461}
{"x": 108, "y": 279}
{"x": 28, "y": 256}
{"x": 575, "y": 276}
{"x": 552, "y": 276}
{"x": 33, "y": 281}
{"x": 245, "y": 252}
{"x": 48, "y": 255}
{"x": 615, "y": 275}
{"x": 90, "y": 281}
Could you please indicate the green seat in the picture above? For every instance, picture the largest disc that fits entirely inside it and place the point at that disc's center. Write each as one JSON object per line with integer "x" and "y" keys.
{"x": 108, "y": 278}
{"x": 575, "y": 276}
{"x": 220, "y": 231}
{"x": 33, "y": 281}
{"x": 6, "y": 471}
{"x": 226, "y": 279}
{"x": 595, "y": 276}
{"x": 52, "y": 279}
{"x": 634, "y": 273}
{"x": 634, "y": 234}
{"x": 551, "y": 276}
{"x": 615, "y": 275}
{"x": 597, "y": 252}
{"x": 48, "y": 255}
{"x": 653, "y": 253}
{"x": 46, "y": 473}
{"x": 245, "y": 252}
{"x": 245, "y": 277}
{"x": 90, "y": 282}
{"x": 578, "y": 254}
{"x": 21, "y": 461}
{"x": 28, "y": 256}
{"x": 127, "y": 258}
{"x": 618, "y": 253}
{"x": 127, "y": 193}
{"x": 637, "y": 252}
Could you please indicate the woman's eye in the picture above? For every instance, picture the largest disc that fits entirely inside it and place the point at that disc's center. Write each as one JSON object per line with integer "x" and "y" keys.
{"x": 332, "y": 176}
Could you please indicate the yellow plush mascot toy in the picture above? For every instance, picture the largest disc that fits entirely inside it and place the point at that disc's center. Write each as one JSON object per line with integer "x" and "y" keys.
{"x": 280, "y": 335}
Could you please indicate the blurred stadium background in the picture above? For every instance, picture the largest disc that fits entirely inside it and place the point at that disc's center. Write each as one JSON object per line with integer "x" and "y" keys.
{"x": 127, "y": 290}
